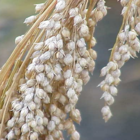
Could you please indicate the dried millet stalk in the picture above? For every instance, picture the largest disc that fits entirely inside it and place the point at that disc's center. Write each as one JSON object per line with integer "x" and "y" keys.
{"x": 126, "y": 46}
{"x": 39, "y": 99}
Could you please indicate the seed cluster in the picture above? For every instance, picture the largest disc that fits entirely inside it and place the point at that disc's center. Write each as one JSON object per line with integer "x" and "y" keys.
{"x": 45, "y": 102}
{"x": 126, "y": 46}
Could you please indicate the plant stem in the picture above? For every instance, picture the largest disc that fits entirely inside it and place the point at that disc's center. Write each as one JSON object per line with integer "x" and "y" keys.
{"x": 8, "y": 65}
{"x": 91, "y": 6}
{"x": 122, "y": 26}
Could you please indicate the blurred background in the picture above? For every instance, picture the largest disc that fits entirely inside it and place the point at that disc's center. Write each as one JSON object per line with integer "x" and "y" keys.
{"x": 125, "y": 123}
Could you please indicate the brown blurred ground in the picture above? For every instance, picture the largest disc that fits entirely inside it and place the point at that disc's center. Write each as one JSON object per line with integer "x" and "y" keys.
{"x": 125, "y": 123}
